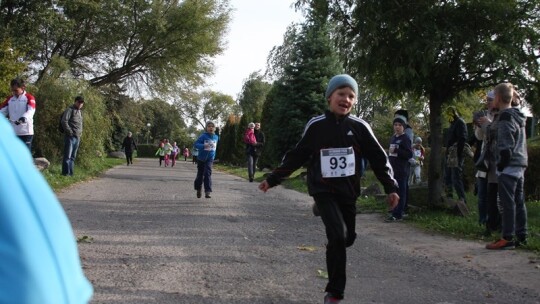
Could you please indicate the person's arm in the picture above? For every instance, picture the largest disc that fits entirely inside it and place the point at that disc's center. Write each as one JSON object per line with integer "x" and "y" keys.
{"x": 461, "y": 132}
{"x": 65, "y": 121}
{"x": 30, "y": 108}
{"x": 4, "y": 106}
{"x": 505, "y": 140}
{"x": 294, "y": 158}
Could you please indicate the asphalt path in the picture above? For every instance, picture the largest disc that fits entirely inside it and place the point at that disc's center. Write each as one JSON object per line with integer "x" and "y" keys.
{"x": 155, "y": 242}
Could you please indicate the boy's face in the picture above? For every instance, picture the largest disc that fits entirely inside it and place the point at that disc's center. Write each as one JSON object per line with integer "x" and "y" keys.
{"x": 398, "y": 128}
{"x": 17, "y": 91}
{"x": 341, "y": 101}
{"x": 210, "y": 129}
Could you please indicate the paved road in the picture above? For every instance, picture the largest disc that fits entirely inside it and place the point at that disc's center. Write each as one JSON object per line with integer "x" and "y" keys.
{"x": 155, "y": 242}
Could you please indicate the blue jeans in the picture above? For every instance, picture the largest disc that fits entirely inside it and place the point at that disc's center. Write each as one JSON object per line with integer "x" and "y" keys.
{"x": 27, "y": 140}
{"x": 204, "y": 175}
{"x": 71, "y": 146}
{"x": 514, "y": 212}
{"x": 252, "y": 164}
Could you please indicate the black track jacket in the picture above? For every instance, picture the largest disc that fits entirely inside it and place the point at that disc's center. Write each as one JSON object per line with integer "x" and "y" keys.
{"x": 328, "y": 131}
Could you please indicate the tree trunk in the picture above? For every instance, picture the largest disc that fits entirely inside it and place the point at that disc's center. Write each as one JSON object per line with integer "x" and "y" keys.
{"x": 435, "y": 171}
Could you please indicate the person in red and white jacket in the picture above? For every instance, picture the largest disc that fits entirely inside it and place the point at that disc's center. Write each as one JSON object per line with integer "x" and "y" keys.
{"x": 20, "y": 109}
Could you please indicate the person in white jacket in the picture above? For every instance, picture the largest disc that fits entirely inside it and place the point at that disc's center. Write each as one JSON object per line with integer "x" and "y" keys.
{"x": 19, "y": 108}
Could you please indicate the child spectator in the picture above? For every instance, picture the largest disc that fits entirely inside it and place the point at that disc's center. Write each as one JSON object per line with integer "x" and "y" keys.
{"x": 334, "y": 143}
{"x": 417, "y": 161}
{"x": 399, "y": 154}
{"x": 206, "y": 144}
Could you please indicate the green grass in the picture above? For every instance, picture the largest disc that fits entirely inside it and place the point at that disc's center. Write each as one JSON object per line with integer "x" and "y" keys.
{"x": 433, "y": 220}
{"x": 54, "y": 177}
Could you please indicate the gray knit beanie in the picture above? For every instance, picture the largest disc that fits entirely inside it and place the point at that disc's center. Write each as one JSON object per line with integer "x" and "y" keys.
{"x": 339, "y": 81}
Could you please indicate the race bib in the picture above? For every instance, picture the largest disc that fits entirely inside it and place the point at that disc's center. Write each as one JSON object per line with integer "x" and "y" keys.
{"x": 337, "y": 162}
{"x": 209, "y": 145}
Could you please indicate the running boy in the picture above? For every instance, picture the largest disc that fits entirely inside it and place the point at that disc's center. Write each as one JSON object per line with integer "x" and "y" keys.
{"x": 206, "y": 145}
{"x": 335, "y": 143}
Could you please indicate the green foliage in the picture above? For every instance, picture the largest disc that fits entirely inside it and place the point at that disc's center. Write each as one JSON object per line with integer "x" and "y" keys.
{"x": 55, "y": 93}
{"x": 144, "y": 150}
{"x": 11, "y": 66}
{"x": 231, "y": 147}
{"x": 163, "y": 44}
{"x": 253, "y": 95}
{"x": 165, "y": 121}
{"x": 532, "y": 179}
{"x": 299, "y": 94}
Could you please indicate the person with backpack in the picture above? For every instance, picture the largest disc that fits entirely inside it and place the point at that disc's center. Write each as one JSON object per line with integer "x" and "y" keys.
{"x": 72, "y": 124}
{"x": 20, "y": 108}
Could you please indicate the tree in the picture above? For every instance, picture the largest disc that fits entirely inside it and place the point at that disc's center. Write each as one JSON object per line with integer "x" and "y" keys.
{"x": 206, "y": 106}
{"x": 162, "y": 44}
{"x": 253, "y": 94}
{"x": 11, "y": 66}
{"x": 298, "y": 94}
{"x": 439, "y": 49}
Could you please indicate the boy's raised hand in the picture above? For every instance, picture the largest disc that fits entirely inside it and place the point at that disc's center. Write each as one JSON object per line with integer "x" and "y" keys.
{"x": 392, "y": 199}
{"x": 264, "y": 186}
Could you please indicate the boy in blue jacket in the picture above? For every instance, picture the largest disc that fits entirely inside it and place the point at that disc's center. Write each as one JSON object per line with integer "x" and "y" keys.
{"x": 335, "y": 145}
{"x": 206, "y": 145}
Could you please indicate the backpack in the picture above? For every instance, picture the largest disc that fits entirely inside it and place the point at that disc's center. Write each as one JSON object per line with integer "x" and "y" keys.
{"x": 60, "y": 127}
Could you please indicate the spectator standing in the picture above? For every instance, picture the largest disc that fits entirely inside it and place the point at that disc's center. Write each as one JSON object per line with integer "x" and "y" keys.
{"x": 399, "y": 154}
{"x": 251, "y": 142}
{"x": 418, "y": 156}
{"x": 259, "y": 136}
{"x": 486, "y": 128}
{"x": 129, "y": 145}
{"x": 206, "y": 145}
{"x": 455, "y": 145}
{"x": 512, "y": 160}
{"x": 20, "y": 109}
{"x": 194, "y": 155}
{"x": 334, "y": 143}
{"x": 72, "y": 123}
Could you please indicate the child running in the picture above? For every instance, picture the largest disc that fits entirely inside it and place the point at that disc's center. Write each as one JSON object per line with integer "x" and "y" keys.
{"x": 335, "y": 143}
{"x": 161, "y": 152}
{"x": 206, "y": 145}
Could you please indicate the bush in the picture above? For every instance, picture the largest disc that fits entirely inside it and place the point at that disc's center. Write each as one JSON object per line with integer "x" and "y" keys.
{"x": 146, "y": 150}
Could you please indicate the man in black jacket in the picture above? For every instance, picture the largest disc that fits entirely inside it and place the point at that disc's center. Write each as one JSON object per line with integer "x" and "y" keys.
{"x": 334, "y": 144}
{"x": 455, "y": 145}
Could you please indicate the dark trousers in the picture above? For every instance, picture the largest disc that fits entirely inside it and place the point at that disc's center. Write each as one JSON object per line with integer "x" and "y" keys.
{"x": 482, "y": 188}
{"x": 129, "y": 157}
{"x": 27, "y": 140}
{"x": 204, "y": 175}
{"x": 338, "y": 214}
{"x": 493, "y": 223}
{"x": 403, "y": 183}
{"x": 514, "y": 212}
{"x": 454, "y": 180}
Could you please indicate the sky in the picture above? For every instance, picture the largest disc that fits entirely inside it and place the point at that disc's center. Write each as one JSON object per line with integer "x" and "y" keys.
{"x": 256, "y": 27}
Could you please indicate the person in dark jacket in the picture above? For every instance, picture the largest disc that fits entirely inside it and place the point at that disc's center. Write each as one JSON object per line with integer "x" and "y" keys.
{"x": 129, "y": 145}
{"x": 334, "y": 144}
{"x": 512, "y": 160}
{"x": 455, "y": 145}
{"x": 72, "y": 123}
{"x": 399, "y": 154}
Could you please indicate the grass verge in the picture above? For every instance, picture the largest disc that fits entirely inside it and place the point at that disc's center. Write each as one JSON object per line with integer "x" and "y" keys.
{"x": 57, "y": 181}
{"x": 434, "y": 220}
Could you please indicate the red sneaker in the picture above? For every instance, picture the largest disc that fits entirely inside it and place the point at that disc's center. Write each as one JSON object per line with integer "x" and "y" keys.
{"x": 501, "y": 244}
{"x": 330, "y": 299}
